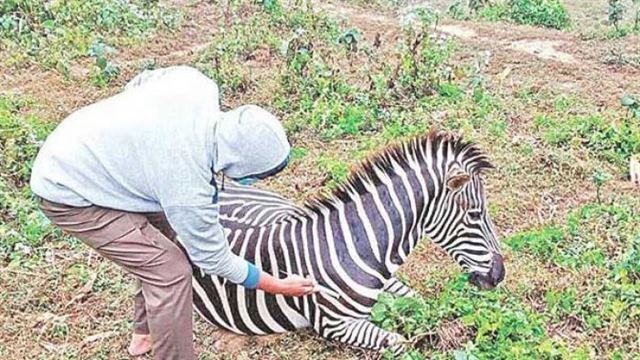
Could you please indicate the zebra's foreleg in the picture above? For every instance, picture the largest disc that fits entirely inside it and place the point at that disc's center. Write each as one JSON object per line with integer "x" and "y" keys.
{"x": 395, "y": 287}
{"x": 364, "y": 334}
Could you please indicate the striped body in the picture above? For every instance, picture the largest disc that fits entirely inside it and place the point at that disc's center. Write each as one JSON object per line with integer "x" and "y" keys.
{"x": 351, "y": 242}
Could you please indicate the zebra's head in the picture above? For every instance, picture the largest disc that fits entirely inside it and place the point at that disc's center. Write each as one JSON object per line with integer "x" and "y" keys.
{"x": 431, "y": 185}
{"x": 469, "y": 237}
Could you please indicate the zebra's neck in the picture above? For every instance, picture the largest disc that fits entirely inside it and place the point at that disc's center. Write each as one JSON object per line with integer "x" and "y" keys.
{"x": 383, "y": 220}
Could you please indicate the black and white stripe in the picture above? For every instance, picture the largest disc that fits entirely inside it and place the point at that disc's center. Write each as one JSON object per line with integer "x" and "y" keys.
{"x": 352, "y": 241}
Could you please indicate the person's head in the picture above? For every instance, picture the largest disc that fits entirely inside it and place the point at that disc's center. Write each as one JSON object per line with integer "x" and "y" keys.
{"x": 251, "y": 144}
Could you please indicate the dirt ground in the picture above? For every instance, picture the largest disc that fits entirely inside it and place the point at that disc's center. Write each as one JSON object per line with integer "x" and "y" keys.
{"x": 94, "y": 324}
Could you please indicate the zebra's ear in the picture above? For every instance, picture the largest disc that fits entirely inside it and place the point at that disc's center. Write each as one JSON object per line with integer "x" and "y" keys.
{"x": 456, "y": 178}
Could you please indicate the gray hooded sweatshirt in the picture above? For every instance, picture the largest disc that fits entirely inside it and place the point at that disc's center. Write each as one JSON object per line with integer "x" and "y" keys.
{"x": 155, "y": 147}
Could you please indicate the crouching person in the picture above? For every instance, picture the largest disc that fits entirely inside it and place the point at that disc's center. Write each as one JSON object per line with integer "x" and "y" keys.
{"x": 128, "y": 173}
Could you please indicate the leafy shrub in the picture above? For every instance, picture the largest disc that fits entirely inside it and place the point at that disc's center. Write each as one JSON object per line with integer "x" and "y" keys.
{"x": 494, "y": 12}
{"x": 547, "y": 13}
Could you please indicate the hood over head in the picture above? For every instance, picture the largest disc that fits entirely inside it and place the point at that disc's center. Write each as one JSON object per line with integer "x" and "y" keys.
{"x": 250, "y": 141}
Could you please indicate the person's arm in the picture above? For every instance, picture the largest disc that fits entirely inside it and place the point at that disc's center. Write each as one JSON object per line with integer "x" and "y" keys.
{"x": 202, "y": 236}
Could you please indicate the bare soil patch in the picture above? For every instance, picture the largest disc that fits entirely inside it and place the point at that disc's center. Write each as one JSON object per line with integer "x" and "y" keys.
{"x": 544, "y": 49}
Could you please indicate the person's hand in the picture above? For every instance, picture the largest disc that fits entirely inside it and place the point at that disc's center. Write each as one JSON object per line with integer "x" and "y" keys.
{"x": 293, "y": 285}
{"x": 296, "y": 285}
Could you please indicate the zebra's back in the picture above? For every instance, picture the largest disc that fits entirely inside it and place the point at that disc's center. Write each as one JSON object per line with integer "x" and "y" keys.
{"x": 244, "y": 214}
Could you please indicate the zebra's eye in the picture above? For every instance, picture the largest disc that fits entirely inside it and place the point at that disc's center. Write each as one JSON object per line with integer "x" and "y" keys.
{"x": 474, "y": 215}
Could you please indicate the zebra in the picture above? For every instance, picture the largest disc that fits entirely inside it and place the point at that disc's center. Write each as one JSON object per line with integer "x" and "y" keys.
{"x": 353, "y": 240}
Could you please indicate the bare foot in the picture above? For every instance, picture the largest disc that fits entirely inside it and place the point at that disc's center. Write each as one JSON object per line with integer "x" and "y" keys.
{"x": 140, "y": 344}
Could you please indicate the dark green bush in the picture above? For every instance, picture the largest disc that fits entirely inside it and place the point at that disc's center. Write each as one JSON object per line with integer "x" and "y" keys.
{"x": 547, "y": 13}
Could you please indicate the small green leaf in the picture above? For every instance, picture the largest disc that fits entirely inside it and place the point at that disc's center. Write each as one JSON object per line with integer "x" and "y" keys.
{"x": 48, "y": 24}
{"x": 627, "y": 100}
{"x": 460, "y": 355}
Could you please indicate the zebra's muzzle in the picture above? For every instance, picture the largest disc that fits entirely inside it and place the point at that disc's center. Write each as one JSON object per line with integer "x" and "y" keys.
{"x": 491, "y": 279}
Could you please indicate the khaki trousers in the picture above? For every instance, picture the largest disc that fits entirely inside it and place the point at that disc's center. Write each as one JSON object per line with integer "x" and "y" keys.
{"x": 143, "y": 244}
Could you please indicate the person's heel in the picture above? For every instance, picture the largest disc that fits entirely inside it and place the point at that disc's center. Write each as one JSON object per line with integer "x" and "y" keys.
{"x": 140, "y": 344}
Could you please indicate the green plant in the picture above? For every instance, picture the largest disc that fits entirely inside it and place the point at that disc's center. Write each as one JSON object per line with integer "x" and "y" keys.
{"x": 476, "y": 5}
{"x": 548, "y": 13}
{"x": 615, "y": 13}
{"x": 632, "y": 104}
{"x": 418, "y": 72}
{"x": 627, "y": 270}
{"x": 104, "y": 70}
{"x": 350, "y": 39}
{"x": 495, "y": 12}
{"x": 599, "y": 178}
{"x": 336, "y": 170}
{"x": 456, "y": 10}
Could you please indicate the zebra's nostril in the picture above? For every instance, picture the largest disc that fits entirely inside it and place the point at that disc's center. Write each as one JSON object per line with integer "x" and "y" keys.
{"x": 497, "y": 270}
{"x": 491, "y": 279}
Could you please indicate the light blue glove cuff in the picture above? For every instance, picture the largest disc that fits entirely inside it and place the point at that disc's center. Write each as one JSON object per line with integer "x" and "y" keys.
{"x": 251, "y": 282}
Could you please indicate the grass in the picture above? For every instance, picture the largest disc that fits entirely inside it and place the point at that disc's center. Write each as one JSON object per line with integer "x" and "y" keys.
{"x": 568, "y": 219}
{"x": 57, "y": 32}
{"x": 612, "y": 140}
{"x": 503, "y": 324}
{"x": 22, "y": 223}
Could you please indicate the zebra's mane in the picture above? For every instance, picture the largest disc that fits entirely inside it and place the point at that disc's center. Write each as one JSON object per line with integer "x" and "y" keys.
{"x": 467, "y": 153}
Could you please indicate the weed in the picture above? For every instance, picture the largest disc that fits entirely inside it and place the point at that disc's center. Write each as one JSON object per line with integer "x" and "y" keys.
{"x": 599, "y": 178}
{"x": 632, "y": 104}
{"x": 615, "y": 13}
{"x": 318, "y": 85}
{"x": 104, "y": 71}
{"x": 336, "y": 170}
{"x": 297, "y": 153}
{"x": 476, "y": 5}
{"x": 456, "y": 10}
